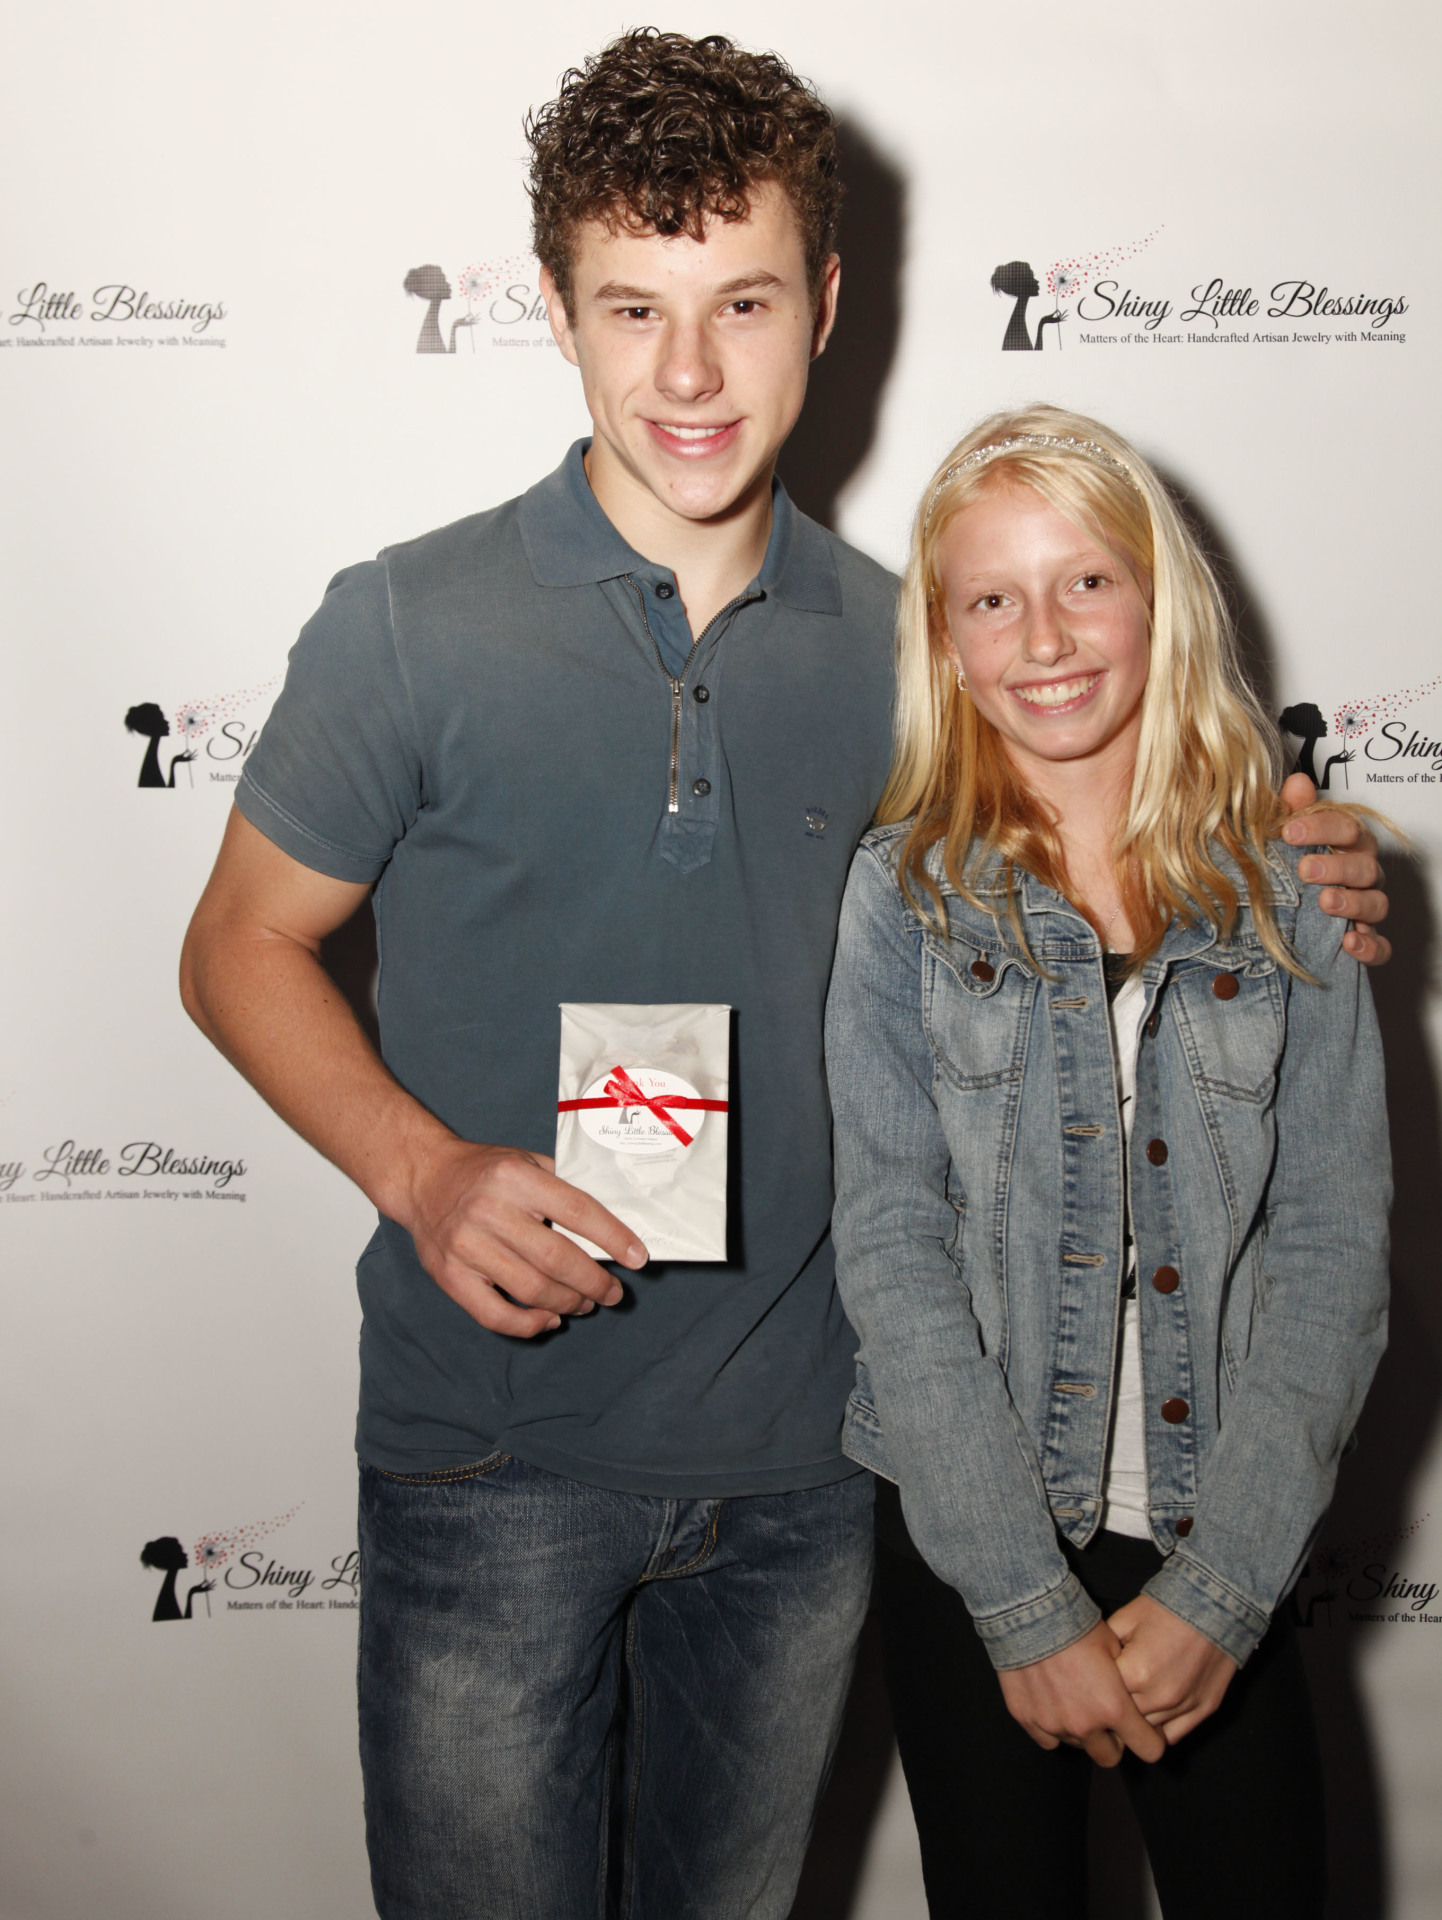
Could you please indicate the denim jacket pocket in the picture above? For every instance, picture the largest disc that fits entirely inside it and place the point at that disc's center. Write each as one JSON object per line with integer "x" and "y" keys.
{"x": 1231, "y": 1015}
{"x": 976, "y": 1007}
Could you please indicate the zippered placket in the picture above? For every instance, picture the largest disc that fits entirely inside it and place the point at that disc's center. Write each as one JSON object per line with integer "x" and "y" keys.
{"x": 678, "y": 687}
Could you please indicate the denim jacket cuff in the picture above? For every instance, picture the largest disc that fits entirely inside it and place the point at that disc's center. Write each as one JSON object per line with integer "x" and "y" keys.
{"x": 1196, "y": 1595}
{"x": 1038, "y": 1627}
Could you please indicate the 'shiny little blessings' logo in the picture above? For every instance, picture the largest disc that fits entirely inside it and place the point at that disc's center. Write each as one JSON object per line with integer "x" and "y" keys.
{"x": 641, "y": 1110}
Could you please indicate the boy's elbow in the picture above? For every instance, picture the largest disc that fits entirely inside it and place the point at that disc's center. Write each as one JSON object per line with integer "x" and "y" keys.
{"x": 192, "y": 959}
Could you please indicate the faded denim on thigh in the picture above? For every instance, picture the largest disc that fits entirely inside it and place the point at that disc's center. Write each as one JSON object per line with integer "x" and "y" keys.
{"x": 577, "y": 1703}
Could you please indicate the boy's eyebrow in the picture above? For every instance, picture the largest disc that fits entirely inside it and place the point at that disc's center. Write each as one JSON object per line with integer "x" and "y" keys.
{"x": 617, "y": 290}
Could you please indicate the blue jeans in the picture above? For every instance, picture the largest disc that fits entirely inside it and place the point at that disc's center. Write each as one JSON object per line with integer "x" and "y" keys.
{"x": 577, "y": 1704}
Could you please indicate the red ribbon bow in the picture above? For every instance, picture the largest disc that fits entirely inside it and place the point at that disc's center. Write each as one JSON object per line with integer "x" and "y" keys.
{"x": 622, "y": 1091}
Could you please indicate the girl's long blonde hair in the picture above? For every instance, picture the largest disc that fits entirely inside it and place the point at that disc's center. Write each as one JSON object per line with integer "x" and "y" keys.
{"x": 1208, "y": 760}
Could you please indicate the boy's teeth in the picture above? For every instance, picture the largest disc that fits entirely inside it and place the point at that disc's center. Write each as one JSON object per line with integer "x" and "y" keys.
{"x": 695, "y": 433}
{"x": 1058, "y": 693}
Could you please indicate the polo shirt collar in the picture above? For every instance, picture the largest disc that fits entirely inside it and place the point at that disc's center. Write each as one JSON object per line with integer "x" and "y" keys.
{"x": 569, "y": 542}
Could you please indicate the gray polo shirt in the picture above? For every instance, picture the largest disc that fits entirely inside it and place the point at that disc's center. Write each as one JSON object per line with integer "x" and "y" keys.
{"x": 498, "y": 724}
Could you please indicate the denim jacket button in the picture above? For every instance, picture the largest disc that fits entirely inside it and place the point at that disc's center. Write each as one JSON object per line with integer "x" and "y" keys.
{"x": 1184, "y": 1526}
{"x": 983, "y": 969}
{"x": 1166, "y": 1279}
{"x": 1157, "y": 1152}
{"x": 1225, "y": 986}
{"x": 1174, "y": 1412}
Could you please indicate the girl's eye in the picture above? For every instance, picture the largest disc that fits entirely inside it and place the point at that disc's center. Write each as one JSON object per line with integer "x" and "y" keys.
{"x": 1093, "y": 580}
{"x": 991, "y": 601}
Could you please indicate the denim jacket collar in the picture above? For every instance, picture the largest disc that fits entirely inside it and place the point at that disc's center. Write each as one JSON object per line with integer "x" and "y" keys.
{"x": 1054, "y": 923}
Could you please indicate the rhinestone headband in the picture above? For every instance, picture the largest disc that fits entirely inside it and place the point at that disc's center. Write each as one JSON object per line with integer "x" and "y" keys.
{"x": 983, "y": 456}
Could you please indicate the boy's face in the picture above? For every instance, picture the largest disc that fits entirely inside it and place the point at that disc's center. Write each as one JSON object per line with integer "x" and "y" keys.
{"x": 693, "y": 356}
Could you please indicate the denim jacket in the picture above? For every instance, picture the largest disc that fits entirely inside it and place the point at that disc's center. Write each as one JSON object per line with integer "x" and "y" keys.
{"x": 979, "y": 1241}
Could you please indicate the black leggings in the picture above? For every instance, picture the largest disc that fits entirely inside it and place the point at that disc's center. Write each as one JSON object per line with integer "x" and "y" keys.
{"x": 1231, "y": 1816}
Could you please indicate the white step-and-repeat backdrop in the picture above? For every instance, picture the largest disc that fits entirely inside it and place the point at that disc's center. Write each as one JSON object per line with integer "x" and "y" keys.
{"x": 266, "y": 305}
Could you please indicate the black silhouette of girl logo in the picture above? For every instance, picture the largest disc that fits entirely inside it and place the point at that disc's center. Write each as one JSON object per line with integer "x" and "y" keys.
{"x": 1017, "y": 280}
{"x": 1305, "y": 723}
{"x": 430, "y": 284}
{"x": 148, "y": 719}
{"x": 167, "y": 1556}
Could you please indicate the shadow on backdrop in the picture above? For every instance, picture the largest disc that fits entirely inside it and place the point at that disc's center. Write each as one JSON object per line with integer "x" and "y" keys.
{"x": 1375, "y": 1503}
{"x": 830, "y": 442}
{"x": 838, "y": 424}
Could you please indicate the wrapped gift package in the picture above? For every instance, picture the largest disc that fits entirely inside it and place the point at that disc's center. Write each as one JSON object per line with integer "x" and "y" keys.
{"x": 641, "y": 1120}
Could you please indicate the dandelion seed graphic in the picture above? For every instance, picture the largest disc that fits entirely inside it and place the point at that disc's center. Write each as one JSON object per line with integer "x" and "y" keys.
{"x": 191, "y": 722}
{"x": 484, "y": 277}
{"x": 1361, "y": 716}
{"x": 212, "y": 1550}
{"x": 1333, "y": 1563}
{"x": 200, "y": 717}
{"x": 1065, "y": 277}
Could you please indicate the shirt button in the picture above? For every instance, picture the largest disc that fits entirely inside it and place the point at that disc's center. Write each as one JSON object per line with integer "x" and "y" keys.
{"x": 1166, "y": 1279}
{"x": 701, "y": 695}
{"x": 1157, "y": 1152}
{"x": 1225, "y": 986}
{"x": 665, "y": 591}
{"x": 700, "y": 788}
{"x": 1174, "y": 1412}
{"x": 1184, "y": 1526}
{"x": 983, "y": 969}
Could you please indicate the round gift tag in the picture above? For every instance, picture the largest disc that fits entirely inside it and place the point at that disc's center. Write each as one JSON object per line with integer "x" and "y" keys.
{"x": 638, "y": 1128}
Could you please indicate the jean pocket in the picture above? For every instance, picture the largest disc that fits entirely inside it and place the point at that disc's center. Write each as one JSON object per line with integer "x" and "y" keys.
{"x": 445, "y": 1476}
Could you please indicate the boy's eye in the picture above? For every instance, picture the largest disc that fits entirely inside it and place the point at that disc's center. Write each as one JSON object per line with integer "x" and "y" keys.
{"x": 744, "y": 306}
{"x": 635, "y": 313}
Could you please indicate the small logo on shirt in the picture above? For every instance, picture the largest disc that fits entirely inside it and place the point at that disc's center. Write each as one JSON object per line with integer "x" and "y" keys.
{"x": 816, "y": 818}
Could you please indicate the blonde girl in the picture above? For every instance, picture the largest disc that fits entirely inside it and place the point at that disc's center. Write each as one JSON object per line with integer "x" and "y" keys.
{"x": 1112, "y": 1183}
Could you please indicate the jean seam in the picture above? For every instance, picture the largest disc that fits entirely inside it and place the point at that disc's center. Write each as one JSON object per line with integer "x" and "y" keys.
{"x": 638, "y": 1709}
{"x": 444, "y": 1476}
{"x": 703, "y": 1553}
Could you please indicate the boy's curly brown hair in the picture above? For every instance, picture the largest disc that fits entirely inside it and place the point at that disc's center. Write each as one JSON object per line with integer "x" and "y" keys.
{"x": 657, "y": 132}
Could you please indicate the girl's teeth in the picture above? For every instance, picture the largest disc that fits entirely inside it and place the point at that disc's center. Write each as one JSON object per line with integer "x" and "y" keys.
{"x": 1059, "y": 694}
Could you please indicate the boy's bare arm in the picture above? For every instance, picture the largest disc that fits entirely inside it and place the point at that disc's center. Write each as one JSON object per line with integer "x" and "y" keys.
{"x": 252, "y": 980}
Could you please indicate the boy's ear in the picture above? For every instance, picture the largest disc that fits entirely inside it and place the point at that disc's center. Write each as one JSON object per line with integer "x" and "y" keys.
{"x": 556, "y": 316}
{"x": 826, "y": 298}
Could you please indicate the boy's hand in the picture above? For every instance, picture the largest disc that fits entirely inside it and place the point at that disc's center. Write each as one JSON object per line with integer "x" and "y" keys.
{"x": 1174, "y": 1673}
{"x": 1349, "y": 875}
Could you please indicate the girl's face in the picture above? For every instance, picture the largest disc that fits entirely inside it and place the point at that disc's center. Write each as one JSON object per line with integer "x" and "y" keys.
{"x": 1049, "y": 630}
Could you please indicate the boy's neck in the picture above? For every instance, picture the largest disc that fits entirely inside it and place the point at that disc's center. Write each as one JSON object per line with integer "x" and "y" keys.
{"x": 713, "y": 560}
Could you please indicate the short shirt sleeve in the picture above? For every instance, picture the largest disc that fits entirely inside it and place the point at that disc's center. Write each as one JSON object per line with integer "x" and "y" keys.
{"x": 335, "y": 778}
